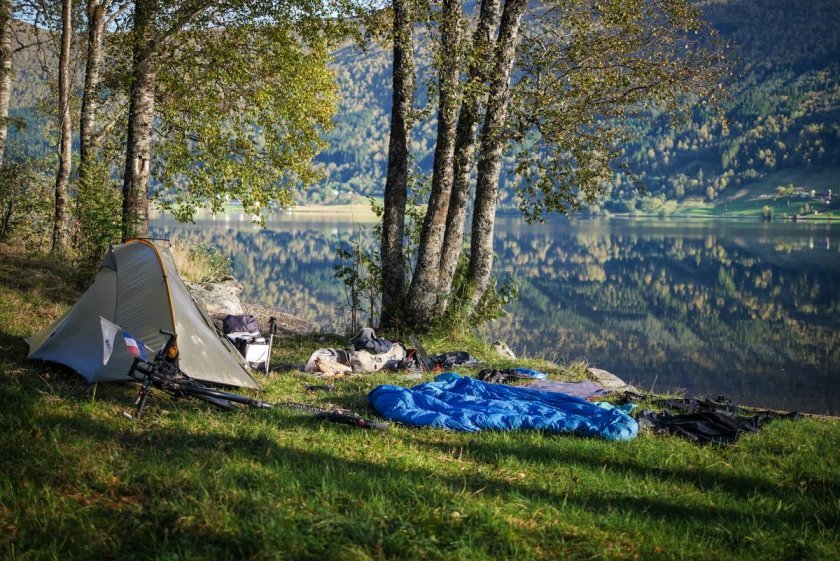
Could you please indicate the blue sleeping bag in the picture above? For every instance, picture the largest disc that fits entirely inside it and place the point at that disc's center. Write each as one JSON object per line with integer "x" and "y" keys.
{"x": 471, "y": 405}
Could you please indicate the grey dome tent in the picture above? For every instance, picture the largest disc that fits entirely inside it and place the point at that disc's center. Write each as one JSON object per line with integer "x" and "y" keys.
{"x": 138, "y": 289}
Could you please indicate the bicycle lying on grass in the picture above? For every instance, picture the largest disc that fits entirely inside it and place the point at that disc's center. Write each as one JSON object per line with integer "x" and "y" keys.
{"x": 163, "y": 373}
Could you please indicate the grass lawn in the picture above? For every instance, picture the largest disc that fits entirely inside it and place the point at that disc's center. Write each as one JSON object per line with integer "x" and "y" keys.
{"x": 749, "y": 201}
{"x": 79, "y": 481}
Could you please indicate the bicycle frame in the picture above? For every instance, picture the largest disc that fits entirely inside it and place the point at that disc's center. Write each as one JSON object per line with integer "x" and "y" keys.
{"x": 163, "y": 373}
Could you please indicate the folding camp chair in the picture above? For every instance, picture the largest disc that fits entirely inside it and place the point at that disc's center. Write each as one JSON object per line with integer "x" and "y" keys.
{"x": 244, "y": 333}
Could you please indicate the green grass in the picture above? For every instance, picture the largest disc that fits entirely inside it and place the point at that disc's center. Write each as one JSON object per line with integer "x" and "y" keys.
{"x": 78, "y": 481}
{"x": 752, "y": 208}
{"x": 747, "y": 202}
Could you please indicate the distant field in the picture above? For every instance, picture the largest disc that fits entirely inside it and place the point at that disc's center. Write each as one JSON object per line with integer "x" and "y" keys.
{"x": 360, "y": 211}
{"x": 745, "y": 201}
{"x": 749, "y": 200}
{"x": 355, "y": 212}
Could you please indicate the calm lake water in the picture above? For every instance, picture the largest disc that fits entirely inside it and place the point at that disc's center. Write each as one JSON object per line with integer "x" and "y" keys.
{"x": 746, "y": 310}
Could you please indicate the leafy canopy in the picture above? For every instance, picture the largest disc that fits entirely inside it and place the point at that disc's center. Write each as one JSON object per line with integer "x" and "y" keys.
{"x": 244, "y": 113}
{"x": 585, "y": 68}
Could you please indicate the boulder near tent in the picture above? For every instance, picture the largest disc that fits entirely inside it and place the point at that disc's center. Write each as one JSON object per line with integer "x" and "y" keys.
{"x": 138, "y": 289}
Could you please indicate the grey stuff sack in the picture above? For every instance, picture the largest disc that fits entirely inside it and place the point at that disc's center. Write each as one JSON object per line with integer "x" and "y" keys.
{"x": 240, "y": 324}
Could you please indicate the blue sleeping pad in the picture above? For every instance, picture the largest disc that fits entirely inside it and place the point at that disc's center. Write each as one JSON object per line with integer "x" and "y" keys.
{"x": 465, "y": 404}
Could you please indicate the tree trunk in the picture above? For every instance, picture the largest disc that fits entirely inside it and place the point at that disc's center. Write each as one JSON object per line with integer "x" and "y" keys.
{"x": 135, "y": 212}
{"x": 65, "y": 146}
{"x": 422, "y": 297}
{"x": 465, "y": 143}
{"x": 96, "y": 26}
{"x": 396, "y": 184}
{"x": 5, "y": 71}
{"x": 492, "y": 147}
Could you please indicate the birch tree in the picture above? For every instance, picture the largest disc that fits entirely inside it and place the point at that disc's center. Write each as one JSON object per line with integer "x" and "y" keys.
{"x": 65, "y": 139}
{"x": 239, "y": 91}
{"x": 422, "y": 295}
{"x": 96, "y": 11}
{"x": 5, "y": 71}
{"x": 396, "y": 184}
{"x": 492, "y": 148}
{"x": 242, "y": 117}
{"x": 478, "y": 72}
{"x": 553, "y": 93}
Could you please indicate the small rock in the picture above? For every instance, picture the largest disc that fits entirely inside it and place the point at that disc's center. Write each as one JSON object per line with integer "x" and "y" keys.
{"x": 286, "y": 322}
{"x": 503, "y": 350}
{"x": 221, "y": 299}
{"x": 218, "y": 298}
{"x": 608, "y": 380}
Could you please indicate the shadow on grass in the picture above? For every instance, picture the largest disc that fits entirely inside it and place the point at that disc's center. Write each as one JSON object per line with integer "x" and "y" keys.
{"x": 600, "y": 457}
{"x": 32, "y": 275}
{"x": 14, "y": 347}
{"x": 162, "y": 470}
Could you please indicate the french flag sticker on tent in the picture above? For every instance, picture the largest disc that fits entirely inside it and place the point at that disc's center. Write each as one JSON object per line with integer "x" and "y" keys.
{"x": 134, "y": 346}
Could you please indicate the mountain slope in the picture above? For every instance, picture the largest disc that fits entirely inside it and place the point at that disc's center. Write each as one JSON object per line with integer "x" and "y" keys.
{"x": 783, "y": 117}
{"x": 783, "y": 113}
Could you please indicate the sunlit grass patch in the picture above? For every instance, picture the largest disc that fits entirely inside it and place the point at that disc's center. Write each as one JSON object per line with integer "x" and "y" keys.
{"x": 200, "y": 263}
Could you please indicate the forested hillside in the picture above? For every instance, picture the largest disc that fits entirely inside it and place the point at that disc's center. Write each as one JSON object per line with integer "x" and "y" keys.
{"x": 783, "y": 115}
{"x": 31, "y": 98}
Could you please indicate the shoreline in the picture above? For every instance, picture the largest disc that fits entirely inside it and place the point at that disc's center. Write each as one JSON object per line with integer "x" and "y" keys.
{"x": 363, "y": 213}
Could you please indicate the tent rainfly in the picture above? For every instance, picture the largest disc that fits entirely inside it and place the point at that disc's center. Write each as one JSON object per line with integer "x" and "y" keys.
{"x": 138, "y": 289}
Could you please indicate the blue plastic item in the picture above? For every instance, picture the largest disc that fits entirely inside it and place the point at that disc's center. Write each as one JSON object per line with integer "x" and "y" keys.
{"x": 465, "y": 404}
{"x": 536, "y": 374}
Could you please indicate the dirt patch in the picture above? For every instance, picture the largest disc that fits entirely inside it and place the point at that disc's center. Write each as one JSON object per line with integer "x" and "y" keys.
{"x": 287, "y": 324}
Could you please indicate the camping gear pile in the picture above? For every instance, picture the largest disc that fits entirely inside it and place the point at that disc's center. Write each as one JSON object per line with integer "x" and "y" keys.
{"x": 450, "y": 359}
{"x": 366, "y": 353}
{"x": 137, "y": 292}
{"x": 703, "y": 420}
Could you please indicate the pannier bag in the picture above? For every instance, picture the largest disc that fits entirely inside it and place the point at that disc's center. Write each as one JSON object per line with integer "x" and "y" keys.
{"x": 240, "y": 325}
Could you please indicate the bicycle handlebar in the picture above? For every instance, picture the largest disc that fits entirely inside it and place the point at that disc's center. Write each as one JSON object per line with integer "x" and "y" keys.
{"x": 353, "y": 420}
{"x": 341, "y": 416}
